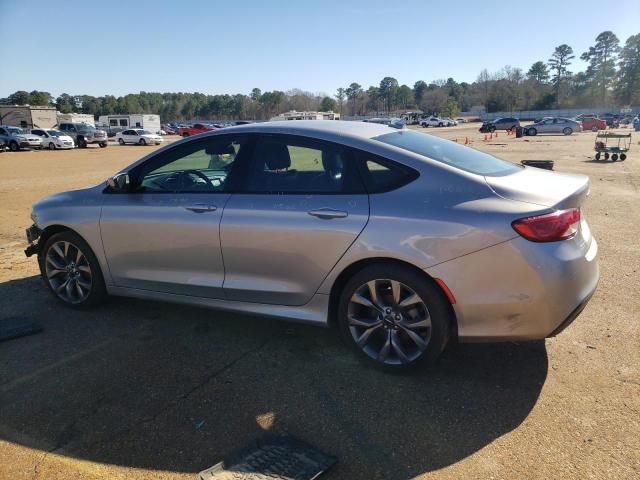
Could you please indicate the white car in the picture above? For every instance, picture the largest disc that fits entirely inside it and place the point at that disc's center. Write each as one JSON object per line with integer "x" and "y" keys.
{"x": 450, "y": 122}
{"x": 139, "y": 136}
{"x": 53, "y": 139}
{"x": 433, "y": 122}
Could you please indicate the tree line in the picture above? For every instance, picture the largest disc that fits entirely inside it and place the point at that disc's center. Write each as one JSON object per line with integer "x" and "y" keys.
{"x": 612, "y": 78}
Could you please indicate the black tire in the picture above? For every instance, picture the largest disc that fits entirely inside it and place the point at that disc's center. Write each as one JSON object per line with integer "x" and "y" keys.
{"x": 437, "y": 306}
{"x": 492, "y": 129}
{"x": 52, "y": 146}
{"x": 623, "y": 157}
{"x": 598, "y": 156}
{"x": 97, "y": 292}
{"x": 13, "y": 146}
{"x": 614, "y": 157}
{"x": 82, "y": 143}
{"x": 103, "y": 144}
{"x": 143, "y": 142}
{"x": 532, "y": 132}
{"x": 594, "y": 129}
{"x": 567, "y": 131}
{"x": 121, "y": 141}
{"x": 185, "y": 135}
{"x": 606, "y": 156}
{"x": 441, "y": 125}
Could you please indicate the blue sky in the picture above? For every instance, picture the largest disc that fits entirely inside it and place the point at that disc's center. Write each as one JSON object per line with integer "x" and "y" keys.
{"x": 228, "y": 46}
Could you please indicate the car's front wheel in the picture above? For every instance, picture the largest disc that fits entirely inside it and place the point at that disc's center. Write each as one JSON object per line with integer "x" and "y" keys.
{"x": 567, "y": 131}
{"x": 121, "y": 141}
{"x": 532, "y": 132}
{"x": 52, "y": 146}
{"x": 143, "y": 142}
{"x": 594, "y": 129}
{"x": 394, "y": 316}
{"x": 71, "y": 270}
{"x": 13, "y": 146}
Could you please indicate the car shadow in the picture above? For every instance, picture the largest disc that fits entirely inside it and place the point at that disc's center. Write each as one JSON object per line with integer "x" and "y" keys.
{"x": 174, "y": 388}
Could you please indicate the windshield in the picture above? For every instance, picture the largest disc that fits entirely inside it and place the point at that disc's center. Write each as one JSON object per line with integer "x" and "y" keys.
{"x": 15, "y": 130}
{"x": 86, "y": 127}
{"x": 451, "y": 153}
{"x": 54, "y": 133}
{"x": 144, "y": 132}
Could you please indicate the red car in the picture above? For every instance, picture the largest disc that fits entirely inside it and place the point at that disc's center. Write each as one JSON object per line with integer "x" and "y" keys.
{"x": 593, "y": 123}
{"x": 195, "y": 129}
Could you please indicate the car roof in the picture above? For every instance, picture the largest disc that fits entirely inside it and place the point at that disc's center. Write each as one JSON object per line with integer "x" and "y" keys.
{"x": 314, "y": 127}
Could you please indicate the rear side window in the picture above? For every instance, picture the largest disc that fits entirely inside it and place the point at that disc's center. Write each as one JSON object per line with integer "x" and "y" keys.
{"x": 380, "y": 175}
{"x": 448, "y": 152}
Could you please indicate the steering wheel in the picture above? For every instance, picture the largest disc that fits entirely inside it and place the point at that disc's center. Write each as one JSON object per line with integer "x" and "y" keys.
{"x": 188, "y": 173}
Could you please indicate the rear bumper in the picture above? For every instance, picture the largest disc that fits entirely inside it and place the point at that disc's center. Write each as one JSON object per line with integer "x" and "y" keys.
{"x": 520, "y": 290}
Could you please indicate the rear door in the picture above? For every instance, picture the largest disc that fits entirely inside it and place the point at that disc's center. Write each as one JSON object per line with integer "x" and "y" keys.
{"x": 300, "y": 208}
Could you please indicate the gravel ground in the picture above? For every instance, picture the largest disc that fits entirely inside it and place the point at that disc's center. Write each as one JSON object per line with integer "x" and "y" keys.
{"x": 138, "y": 389}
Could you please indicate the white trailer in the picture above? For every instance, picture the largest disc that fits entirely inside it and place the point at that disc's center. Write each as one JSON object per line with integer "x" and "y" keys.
{"x": 113, "y": 124}
{"x": 76, "y": 118}
{"x": 27, "y": 116}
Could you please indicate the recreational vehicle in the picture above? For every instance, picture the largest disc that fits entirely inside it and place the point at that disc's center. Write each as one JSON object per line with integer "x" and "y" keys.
{"x": 113, "y": 124}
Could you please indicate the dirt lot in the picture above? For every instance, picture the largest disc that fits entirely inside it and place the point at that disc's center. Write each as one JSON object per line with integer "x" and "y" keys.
{"x": 137, "y": 389}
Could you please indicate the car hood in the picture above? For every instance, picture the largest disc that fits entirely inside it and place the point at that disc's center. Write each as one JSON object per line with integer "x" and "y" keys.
{"x": 82, "y": 196}
{"x": 542, "y": 187}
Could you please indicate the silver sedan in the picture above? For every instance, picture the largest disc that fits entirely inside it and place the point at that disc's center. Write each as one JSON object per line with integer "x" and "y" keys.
{"x": 557, "y": 125}
{"x": 399, "y": 239}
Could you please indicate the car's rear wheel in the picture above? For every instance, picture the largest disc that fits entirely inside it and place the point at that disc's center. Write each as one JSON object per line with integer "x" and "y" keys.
{"x": 14, "y": 147}
{"x": 394, "y": 317}
{"x": 121, "y": 141}
{"x": 532, "y": 132}
{"x": 594, "y": 129}
{"x": 567, "y": 131}
{"x": 52, "y": 146}
{"x": 71, "y": 271}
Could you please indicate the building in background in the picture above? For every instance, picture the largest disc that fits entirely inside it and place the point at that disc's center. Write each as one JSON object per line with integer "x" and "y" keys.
{"x": 293, "y": 115}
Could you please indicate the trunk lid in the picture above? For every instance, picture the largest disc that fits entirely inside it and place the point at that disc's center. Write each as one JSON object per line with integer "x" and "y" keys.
{"x": 542, "y": 187}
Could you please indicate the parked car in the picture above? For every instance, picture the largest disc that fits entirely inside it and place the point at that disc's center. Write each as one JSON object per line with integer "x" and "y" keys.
{"x": 613, "y": 121}
{"x": 84, "y": 134}
{"x": 325, "y": 222}
{"x": 53, "y": 139}
{"x": 168, "y": 130}
{"x": 507, "y": 123}
{"x": 195, "y": 129}
{"x": 138, "y": 136}
{"x": 461, "y": 120}
{"x": 17, "y": 139}
{"x": 579, "y": 118}
{"x": 433, "y": 122}
{"x": 562, "y": 125}
{"x": 592, "y": 123}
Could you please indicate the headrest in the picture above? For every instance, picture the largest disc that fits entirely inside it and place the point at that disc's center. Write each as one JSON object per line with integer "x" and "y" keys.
{"x": 274, "y": 155}
{"x": 331, "y": 161}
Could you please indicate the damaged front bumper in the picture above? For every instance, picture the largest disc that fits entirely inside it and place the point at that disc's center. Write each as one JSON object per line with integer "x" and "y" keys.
{"x": 33, "y": 234}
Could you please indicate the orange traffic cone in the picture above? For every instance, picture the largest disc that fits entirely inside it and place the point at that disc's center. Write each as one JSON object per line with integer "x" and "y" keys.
{"x": 496, "y": 134}
{"x": 491, "y": 136}
{"x": 466, "y": 140}
{"x": 455, "y": 140}
{"x": 485, "y": 137}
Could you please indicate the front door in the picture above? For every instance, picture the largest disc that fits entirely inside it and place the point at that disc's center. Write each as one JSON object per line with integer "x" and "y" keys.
{"x": 301, "y": 208}
{"x": 164, "y": 235}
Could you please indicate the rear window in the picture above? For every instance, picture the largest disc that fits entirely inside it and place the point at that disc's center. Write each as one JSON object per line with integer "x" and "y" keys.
{"x": 448, "y": 152}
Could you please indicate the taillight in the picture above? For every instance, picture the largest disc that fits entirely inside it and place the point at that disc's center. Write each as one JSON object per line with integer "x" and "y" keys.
{"x": 559, "y": 225}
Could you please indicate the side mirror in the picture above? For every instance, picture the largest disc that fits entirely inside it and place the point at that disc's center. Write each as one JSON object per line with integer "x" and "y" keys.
{"x": 119, "y": 182}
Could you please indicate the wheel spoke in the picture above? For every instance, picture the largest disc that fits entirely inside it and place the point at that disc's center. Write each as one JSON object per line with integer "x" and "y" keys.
{"x": 79, "y": 255}
{"x": 82, "y": 283}
{"x": 364, "y": 322}
{"x": 417, "y": 339}
{"x": 58, "y": 266}
{"x": 395, "y": 289}
{"x": 56, "y": 248}
{"x": 66, "y": 250}
{"x": 357, "y": 298}
{"x": 56, "y": 271}
{"x": 384, "y": 351}
{"x": 63, "y": 285}
{"x": 410, "y": 300}
{"x": 424, "y": 323}
{"x": 364, "y": 338}
{"x": 79, "y": 289}
{"x": 69, "y": 289}
{"x": 84, "y": 268}
{"x": 373, "y": 293}
{"x": 397, "y": 346}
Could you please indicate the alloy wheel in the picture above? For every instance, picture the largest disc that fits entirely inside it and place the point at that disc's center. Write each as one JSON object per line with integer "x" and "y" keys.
{"x": 389, "y": 321}
{"x": 68, "y": 272}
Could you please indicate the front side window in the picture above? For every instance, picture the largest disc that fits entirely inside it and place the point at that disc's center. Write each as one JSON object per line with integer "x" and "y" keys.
{"x": 195, "y": 167}
{"x": 293, "y": 165}
{"x": 448, "y": 152}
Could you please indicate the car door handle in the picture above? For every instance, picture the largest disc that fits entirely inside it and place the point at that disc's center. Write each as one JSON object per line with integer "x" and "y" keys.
{"x": 201, "y": 208}
{"x": 328, "y": 213}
